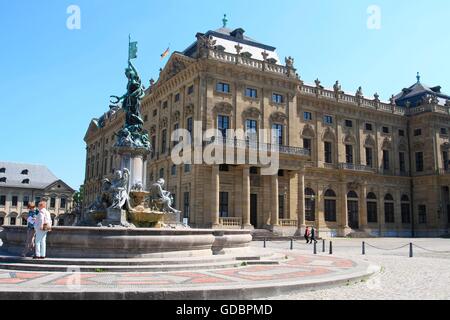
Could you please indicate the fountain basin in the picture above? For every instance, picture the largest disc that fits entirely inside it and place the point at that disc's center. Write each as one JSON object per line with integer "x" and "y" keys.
{"x": 84, "y": 242}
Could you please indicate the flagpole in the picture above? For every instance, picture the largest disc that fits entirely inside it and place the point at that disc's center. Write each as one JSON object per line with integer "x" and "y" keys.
{"x": 129, "y": 44}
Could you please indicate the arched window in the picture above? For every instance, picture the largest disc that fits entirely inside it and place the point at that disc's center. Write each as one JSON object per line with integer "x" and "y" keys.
{"x": 310, "y": 205}
{"x": 3, "y": 179}
{"x": 406, "y": 210}
{"x": 352, "y": 195}
{"x": 2, "y": 170}
{"x": 26, "y": 181}
{"x": 25, "y": 172}
{"x": 389, "y": 213}
{"x": 372, "y": 208}
{"x": 330, "y": 206}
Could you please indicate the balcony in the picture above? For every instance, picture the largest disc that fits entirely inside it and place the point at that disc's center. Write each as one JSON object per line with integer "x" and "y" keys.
{"x": 356, "y": 167}
{"x": 288, "y": 223}
{"x": 265, "y": 147}
{"x": 231, "y": 222}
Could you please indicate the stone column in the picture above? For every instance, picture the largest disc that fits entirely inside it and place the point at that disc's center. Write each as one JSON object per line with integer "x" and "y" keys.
{"x": 301, "y": 202}
{"x": 398, "y": 210}
{"x": 246, "y": 198}
{"x": 363, "y": 207}
{"x": 380, "y": 208}
{"x": 215, "y": 196}
{"x": 344, "y": 210}
{"x": 274, "y": 218}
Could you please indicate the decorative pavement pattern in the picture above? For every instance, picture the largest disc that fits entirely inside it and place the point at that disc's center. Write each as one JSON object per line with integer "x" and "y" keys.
{"x": 295, "y": 270}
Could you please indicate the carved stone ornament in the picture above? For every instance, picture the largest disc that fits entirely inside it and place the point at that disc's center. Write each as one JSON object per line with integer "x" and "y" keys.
{"x": 164, "y": 122}
{"x": 251, "y": 112}
{"x": 189, "y": 109}
{"x": 223, "y": 108}
{"x": 289, "y": 62}
{"x": 278, "y": 117}
{"x": 176, "y": 116}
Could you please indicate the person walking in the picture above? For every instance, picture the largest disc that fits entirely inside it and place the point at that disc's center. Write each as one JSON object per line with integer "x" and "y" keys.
{"x": 307, "y": 235}
{"x": 42, "y": 226}
{"x": 32, "y": 214}
{"x": 313, "y": 235}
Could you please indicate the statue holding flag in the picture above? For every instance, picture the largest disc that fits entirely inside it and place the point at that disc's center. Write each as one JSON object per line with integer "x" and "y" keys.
{"x": 133, "y": 134}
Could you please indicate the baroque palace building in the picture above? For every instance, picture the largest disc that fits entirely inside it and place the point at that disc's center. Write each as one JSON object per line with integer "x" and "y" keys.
{"x": 22, "y": 183}
{"x": 348, "y": 164}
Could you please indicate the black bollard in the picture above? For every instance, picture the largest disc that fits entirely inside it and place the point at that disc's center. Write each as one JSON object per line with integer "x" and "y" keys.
{"x": 331, "y": 247}
{"x": 315, "y": 247}
{"x": 264, "y": 242}
{"x": 411, "y": 254}
{"x": 292, "y": 244}
{"x": 323, "y": 245}
{"x": 363, "y": 248}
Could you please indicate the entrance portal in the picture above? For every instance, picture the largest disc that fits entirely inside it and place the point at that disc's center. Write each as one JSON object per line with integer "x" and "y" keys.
{"x": 254, "y": 210}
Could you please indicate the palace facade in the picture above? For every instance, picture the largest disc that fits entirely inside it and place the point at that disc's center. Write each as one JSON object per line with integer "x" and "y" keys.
{"x": 348, "y": 163}
{"x": 22, "y": 183}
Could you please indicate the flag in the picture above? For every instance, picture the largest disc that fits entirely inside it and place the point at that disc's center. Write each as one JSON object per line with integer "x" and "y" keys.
{"x": 132, "y": 53}
{"x": 165, "y": 53}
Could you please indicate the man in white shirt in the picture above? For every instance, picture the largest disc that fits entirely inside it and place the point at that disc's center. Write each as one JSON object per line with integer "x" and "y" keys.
{"x": 43, "y": 217}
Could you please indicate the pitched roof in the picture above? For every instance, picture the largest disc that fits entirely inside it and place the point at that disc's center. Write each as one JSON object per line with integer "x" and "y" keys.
{"x": 15, "y": 173}
{"x": 417, "y": 91}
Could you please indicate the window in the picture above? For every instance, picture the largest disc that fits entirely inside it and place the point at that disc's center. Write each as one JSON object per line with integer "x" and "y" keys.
{"x": 3, "y": 179}
{"x": 349, "y": 123}
{"x": 145, "y": 119}
{"x": 173, "y": 170}
{"x": 62, "y": 204}
{"x": 24, "y": 221}
{"x": 444, "y": 131}
{"x": 281, "y": 206}
{"x": 161, "y": 173}
{"x": 12, "y": 221}
{"x": 223, "y": 204}
{"x": 190, "y": 126}
{"x": 2, "y": 170}
{"x": 187, "y": 168}
{"x": 328, "y": 119}
{"x": 190, "y": 90}
{"x": 2, "y": 201}
{"x": 164, "y": 141}
{"x": 385, "y": 130}
{"x": 251, "y": 93}
{"x": 37, "y": 200}
{"x": 419, "y": 161}
{"x": 417, "y": 132}
{"x": 224, "y": 168}
{"x": 281, "y": 173}
{"x": 307, "y": 116}
{"x": 277, "y": 134}
{"x": 2, "y": 221}
{"x": 15, "y": 200}
{"x": 223, "y": 87}
{"x": 165, "y": 104}
{"x": 307, "y": 144}
{"x": 223, "y": 124}
{"x": 328, "y": 152}
{"x": 406, "y": 212}
{"x": 402, "y": 162}
{"x": 401, "y": 133}
{"x": 349, "y": 154}
{"x": 153, "y": 146}
{"x": 26, "y": 201}
{"x": 277, "y": 98}
{"x": 369, "y": 127}
{"x": 310, "y": 205}
{"x": 251, "y": 127}
{"x": 177, "y": 97}
{"x": 385, "y": 159}
{"x": 176, "y": 126}
{"x": 369, "y": 157}
{"x": 445, "y": 159}
{"x": 422, "y": 214}
{"x": 155, "y": 113}
{"x": 253, "y": 170}
{"x": 330, "y": 206}
{"x": 61, "y": 222}
{"x": 372, "y": 214}
{"x": 389, "y": 215}
{"x": 186, "y": 205}
{"x": 25, "y": 172}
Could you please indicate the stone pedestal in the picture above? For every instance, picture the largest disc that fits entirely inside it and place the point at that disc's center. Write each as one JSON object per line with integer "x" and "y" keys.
{"x": 135, "y": 160}
{"x": 115, "y": 217}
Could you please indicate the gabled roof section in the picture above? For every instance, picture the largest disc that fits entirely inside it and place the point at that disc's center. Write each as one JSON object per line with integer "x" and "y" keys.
{"x": 177, "y": 63}
{"x": 62, "y": 186}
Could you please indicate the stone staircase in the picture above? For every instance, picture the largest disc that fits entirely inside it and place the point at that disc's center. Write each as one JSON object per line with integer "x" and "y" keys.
{"x": 259, "y": 257}
{"x": 360, "y": 235}
{"x": 261, "y": 234}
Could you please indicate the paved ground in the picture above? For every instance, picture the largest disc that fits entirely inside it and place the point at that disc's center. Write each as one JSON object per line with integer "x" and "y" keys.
{"x": 426, "y": 276}
{"x": 295, "y": 271}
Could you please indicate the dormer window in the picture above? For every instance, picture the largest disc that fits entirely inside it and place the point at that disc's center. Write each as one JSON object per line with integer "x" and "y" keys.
{"x": 26, "y": 181}
{"x": 25, "y": 172}
{"x": 238, "y": 33}
{"x": 2, "y": 170}
{"x": 3, "y": 180}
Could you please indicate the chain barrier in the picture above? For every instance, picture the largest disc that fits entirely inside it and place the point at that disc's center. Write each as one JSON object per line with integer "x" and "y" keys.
{"x": 384, "y": 249}
{"x": 429, "y": 250}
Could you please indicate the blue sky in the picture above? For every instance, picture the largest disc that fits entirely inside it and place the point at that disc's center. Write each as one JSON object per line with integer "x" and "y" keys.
{"x": 53, "y": 80}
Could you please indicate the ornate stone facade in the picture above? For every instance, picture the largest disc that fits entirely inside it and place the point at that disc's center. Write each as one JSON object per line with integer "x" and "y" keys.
{"x": 374, "y": 167}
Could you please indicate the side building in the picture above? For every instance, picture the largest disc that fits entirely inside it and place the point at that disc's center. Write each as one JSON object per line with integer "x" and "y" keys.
{"x": 348, "y": 164}
{"x": 22, "y": 183}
